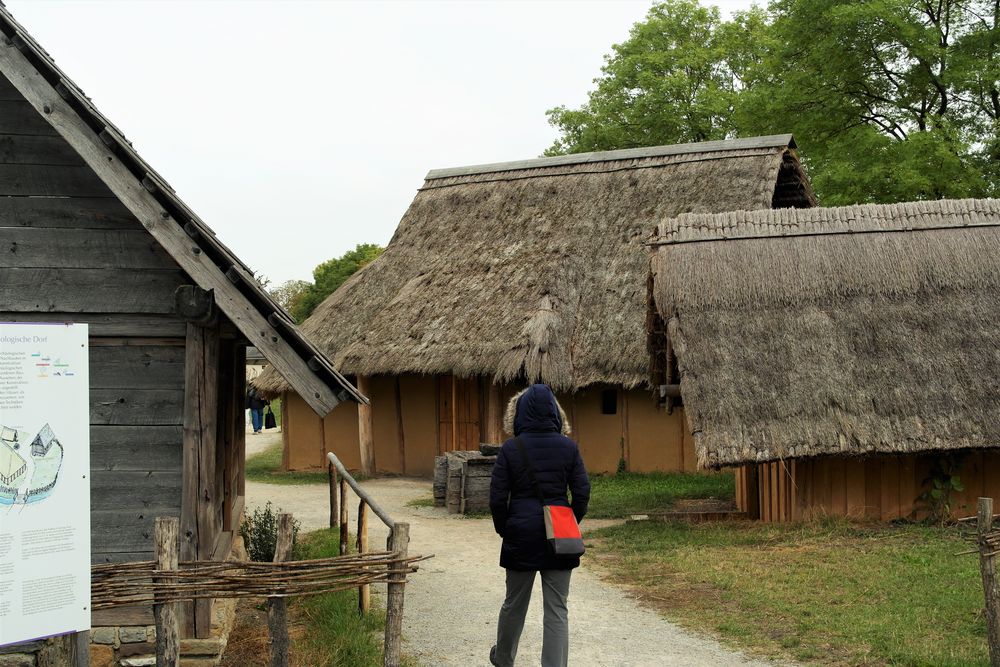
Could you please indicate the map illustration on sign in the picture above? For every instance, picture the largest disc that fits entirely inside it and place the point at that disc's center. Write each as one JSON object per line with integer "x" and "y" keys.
{"x": 29, "y": 466}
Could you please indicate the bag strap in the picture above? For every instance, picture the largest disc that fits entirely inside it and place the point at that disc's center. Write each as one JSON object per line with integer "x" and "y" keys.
{"x": 529, "y": 468}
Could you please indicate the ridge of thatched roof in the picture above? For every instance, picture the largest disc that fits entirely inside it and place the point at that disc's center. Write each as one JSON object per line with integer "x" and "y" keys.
{"x": 840, "y": 331}
{"x": 537, "y": 270}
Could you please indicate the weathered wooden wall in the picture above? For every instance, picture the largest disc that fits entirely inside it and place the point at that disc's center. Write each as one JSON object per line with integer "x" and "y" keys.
{"x": 879, "y": 488}
{"x": 70, "y": 251}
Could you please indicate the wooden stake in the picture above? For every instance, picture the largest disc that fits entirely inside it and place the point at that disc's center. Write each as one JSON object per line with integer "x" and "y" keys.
{"x": 277, "y": 621}
{"x": 399, "y": 541}
{"x": 987, "y": 567}
{"x": 364, "y": 591}
{"x": 168, "y": 648}
{"x": 365, "y": 429}
{"x": 343, "y": 516}
{"x": 334, "y": 512}
{"x": 79, "y": 649}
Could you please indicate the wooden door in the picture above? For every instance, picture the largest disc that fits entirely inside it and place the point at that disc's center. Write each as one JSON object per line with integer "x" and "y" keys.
{"x": 459, "y": 423}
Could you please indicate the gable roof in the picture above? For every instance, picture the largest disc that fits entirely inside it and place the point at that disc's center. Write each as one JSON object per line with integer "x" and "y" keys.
{"x": 185, "y": 237}
{"x": 840, "y": 331}
{"x": 537, "y": 269}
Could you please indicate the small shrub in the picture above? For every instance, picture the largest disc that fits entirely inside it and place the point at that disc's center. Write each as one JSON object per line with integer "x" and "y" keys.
{"x": 260, "y": 533}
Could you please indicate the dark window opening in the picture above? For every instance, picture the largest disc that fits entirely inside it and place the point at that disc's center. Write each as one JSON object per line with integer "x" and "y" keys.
{"x": 609, "y": 402}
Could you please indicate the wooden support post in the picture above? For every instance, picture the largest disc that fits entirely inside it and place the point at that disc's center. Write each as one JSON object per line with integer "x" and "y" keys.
{"x": 987, "y": 567}
{"x": 79, "y": 649}
{"x": 400, "y": 433}
{"x": 365, "y": 429}
{"x": 494, "y": 414}
{"x": 331, "y": 472}
{"x": 398, "y": 543}
{"x": 454, "y": 414}
{"x": 168, "y": 647}
{"x": 277, "y": 612}
{"x": 364, "y": 591}
{"x": 343, "y": 516}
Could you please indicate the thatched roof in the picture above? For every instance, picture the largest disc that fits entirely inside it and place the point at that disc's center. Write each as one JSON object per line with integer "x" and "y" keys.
{"x": 537, "y": 269}
{"x": 855, "y": 330}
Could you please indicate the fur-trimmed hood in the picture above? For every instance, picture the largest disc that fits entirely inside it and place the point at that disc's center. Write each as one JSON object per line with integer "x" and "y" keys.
{"x": 540, "y": 412}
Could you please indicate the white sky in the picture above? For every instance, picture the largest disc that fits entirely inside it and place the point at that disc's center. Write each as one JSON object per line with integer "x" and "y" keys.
{"x": 299, "y": 129}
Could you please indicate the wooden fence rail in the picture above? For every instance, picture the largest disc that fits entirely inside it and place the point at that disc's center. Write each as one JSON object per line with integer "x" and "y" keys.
{"x": 397, "y": 544}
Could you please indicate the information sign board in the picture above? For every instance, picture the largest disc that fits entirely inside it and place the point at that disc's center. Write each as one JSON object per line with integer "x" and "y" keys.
{"x": 44, "y": 481}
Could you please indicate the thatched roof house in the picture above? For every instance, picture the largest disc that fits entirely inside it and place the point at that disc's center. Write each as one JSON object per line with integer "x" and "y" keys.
{"x": 536, "y": 270}
{"x": 855, "y": 331}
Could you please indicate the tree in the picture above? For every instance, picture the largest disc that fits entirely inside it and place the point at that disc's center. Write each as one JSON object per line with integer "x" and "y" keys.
{"x": 669, "y": 82}
{"x": 330, "y": 275}
{"x": 889, "y": 100}
{"x": 288, "y": 293}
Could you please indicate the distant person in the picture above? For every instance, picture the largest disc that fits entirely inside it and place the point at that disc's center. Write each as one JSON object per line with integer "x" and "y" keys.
{"x": 540, "y": 428}
{"x": 256, "y": 404}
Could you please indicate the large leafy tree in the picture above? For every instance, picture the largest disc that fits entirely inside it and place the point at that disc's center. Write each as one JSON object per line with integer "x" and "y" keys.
{"x": 330, "y": 275}
{"x": 889, "y": 100}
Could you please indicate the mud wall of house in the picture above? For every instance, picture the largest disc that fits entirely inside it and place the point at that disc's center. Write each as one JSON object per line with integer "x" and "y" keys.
{"x": 880, "y": 488}
{"x": 415, "y": 400}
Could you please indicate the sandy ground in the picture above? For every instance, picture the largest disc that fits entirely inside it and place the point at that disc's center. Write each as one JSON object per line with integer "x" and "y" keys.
{"x": 452, "y": 602}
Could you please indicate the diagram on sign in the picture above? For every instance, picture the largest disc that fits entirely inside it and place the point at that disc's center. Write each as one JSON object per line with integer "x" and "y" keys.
{"x": 29, "y": 466}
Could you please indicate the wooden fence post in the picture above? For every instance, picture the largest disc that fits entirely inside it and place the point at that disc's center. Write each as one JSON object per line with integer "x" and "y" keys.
{"x": 277, "y": 622}
{"x": 399, "y": 541}
{"x": 168, "y": 649}
{"x": 343, "y": 516}
{"x": 364, "y": 591}
{"x": 334, "y": 512}
{"x": 987, "y": 567}
{"x": 79, "y": 649}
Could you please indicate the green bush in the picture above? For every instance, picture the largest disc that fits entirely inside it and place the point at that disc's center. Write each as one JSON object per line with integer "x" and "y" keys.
{"x": 260, "y": 533}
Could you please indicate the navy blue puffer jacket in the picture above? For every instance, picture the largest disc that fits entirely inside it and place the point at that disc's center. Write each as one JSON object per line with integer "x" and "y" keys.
{"x": 514, "y": 504}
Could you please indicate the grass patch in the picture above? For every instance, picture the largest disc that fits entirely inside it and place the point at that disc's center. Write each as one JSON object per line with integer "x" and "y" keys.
{"x": 337, "y": 634}
{"x": 266, "y": 467}
{"x": 614, "y": 496}
{"x": 427, "y": 501}
{"x": 821, "y": 593}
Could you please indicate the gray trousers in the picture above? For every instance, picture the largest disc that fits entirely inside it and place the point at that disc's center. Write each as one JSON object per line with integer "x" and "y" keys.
{"x": 555, "y": 634}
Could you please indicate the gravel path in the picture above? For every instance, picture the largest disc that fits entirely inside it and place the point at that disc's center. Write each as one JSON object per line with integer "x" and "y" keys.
{"x": 452, "y": 602}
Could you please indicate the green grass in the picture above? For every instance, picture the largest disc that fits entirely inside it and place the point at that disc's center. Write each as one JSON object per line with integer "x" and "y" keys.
{"x": 337, "y": 634}
{"x": 613, "y": 496}
{"x": 266, "y": 467}
{"x": 821, "y": 593}
{"x": 427, "y": 501}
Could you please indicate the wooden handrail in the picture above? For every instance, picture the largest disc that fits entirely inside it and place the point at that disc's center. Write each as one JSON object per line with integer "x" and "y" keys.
{"x": 362, "y": 494}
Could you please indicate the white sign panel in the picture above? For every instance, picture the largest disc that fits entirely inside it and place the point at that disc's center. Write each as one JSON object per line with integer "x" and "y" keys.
{"x": 44, "y": 481}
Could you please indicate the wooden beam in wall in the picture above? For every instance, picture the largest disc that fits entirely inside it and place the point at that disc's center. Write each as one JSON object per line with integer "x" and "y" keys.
{"x": 169, "y": 231}
{"x": 494, "y": 413}
{"x": 199, "y": 525}
{"x": 366, "y": 428}
{"x": 400, "y": 431}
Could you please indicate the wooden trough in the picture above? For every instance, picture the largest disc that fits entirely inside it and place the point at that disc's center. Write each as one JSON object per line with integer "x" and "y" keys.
{"x": 462, "y": 480}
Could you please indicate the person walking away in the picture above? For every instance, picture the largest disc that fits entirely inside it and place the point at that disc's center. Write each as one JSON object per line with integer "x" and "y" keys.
{"x": 256, "y": 405}
{"x": 540, "y": 433}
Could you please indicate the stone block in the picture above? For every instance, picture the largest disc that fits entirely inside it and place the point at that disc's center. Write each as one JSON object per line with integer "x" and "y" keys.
{"x": 199, "y": 662}
{"x": 104, "y": 635}
{"x": 198, "y": 647}
{"x": 102, "y": 656}
{"x": 17, "y": 660}
{"x": 139, "y": 662}
{"x": 131, "y": 635}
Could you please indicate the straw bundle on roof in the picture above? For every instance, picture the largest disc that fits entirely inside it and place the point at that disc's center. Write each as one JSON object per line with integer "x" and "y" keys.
{"x": 855, "y": 330}
{"x": 537, "y": 270}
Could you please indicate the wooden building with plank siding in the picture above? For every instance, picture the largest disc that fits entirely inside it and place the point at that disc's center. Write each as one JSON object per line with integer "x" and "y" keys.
{"x": 835, "y": 356}
{"x": 508, "y": 273}
{"x": 91, "y": 234}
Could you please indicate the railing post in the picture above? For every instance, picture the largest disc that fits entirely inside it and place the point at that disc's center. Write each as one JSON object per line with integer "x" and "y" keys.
{"x": 168, "y": 649}
{"x": 364, "y": 591}
{"x": 343, "y": 516}
{"x": 399, "y": 541}
{"x": 277, "y": 622}
{"x": 987, "y": 567}
{"x": 334, "y": 512}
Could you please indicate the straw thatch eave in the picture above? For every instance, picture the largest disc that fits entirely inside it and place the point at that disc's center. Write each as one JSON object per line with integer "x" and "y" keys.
{"x": 537, "y": 270}
{"x": 845, "y": 331}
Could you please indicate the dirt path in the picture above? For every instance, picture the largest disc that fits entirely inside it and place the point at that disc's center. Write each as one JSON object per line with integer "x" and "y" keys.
{"x": 452, "y": 602}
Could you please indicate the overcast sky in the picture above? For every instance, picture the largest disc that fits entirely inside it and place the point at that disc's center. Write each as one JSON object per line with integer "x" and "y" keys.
{"x": 297, "y": 130}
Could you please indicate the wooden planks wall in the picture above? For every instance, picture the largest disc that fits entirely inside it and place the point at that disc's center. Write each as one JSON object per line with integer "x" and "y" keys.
{"x": 879, "y": 488}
